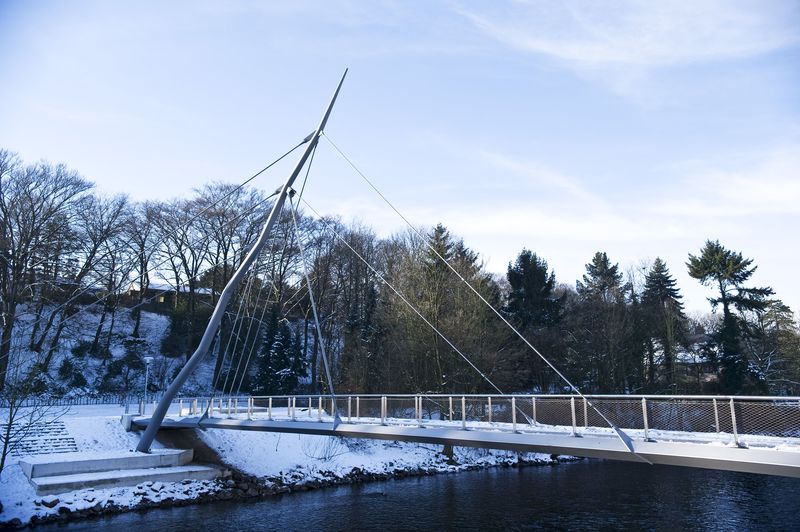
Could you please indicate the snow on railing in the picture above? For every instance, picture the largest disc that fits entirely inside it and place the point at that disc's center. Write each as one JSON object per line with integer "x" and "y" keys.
{"x": 730, "y": 415}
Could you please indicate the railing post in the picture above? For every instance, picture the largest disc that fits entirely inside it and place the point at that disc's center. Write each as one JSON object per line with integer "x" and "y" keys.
{"x": 644, "y": 418}
{"x": 250, "y": 408}
{"x": 269, "y": 409}
{"x": 419, "y": 410}
{"x": 585, "y": 413}
{"x": 533, "y": 407}
{"x": 229, "y": 405}
{"x": 194, "y": 406}
{"x": 572, "y": 408}
{"x": 733, "y": 423}
{"x": 451, "y": 408}
{"x": 383, "y": 410}
{"x": 490, "y": 409}
{"x": 514, "y": 414}
{"x": 294, "y": 408}
{"x": 141, "y": 407}
{"x": 349, "y": 409}
{"x": 463, "y": 413}
{"x": 358, "y": 407}
{"x": 716, "y": 415}
{"x": 180, "y": 407}
{"x": 319, "y": 409}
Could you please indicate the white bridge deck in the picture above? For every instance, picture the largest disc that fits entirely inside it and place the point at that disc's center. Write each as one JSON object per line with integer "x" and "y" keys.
{"x": 764, "y": 439}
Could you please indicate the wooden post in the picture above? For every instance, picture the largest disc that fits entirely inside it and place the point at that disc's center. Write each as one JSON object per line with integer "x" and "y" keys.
{"x": 490, "y": 409}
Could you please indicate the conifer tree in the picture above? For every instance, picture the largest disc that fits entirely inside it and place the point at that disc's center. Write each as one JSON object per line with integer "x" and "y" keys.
{"x": 600, "y": 328}
{"x": 531, "y": 301}
{"x": 602, "y": 280}
{"x": 281, "y": 362}
{"x": 727, "y": 271}
{"x": 665, "y": 319}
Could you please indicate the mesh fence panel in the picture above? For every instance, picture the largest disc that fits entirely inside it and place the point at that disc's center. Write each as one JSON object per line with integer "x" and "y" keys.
{"x": 768, "y": 418}
{"x": 753, "y": 416}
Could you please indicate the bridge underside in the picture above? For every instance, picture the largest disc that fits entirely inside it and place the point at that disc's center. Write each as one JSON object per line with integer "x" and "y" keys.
{"x": 761, "y": 460}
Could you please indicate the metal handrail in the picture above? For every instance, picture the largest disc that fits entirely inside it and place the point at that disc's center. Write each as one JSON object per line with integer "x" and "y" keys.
{"x": 724, "y": 415}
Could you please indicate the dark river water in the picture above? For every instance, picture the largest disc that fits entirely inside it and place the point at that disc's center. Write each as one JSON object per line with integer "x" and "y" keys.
{"x": 588, "y": 495}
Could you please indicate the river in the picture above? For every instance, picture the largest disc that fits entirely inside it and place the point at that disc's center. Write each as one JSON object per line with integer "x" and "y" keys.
{"x": 591, "y": 494}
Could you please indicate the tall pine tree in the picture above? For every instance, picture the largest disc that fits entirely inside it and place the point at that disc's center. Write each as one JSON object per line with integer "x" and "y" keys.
{"x": 281, "y": 363}
{"x": 531, "y": 302}
{"x": 727, "y": 271}
{"x": 661, "y": 301}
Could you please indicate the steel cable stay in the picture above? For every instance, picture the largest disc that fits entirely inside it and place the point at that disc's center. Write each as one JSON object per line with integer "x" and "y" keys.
{"x": 626, "y": 440}
{"x": 336, "y": 419}
{"x": 252, "y": 332}
{"x": 230, "y": 289}
{"x": 257, "y": 322}
{"x": 153, "y": 269}
{"x": 244, "y": 302}
{"x": 256, "y": 303}
{"x": 235, "y": 331}
{"x": 399, "y": 294}
{"x": 295, "y": 234}
{"x": 233, "y": 346}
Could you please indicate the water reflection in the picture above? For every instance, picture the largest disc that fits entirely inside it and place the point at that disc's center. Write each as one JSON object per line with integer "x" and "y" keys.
{"x": 587, "y": 495}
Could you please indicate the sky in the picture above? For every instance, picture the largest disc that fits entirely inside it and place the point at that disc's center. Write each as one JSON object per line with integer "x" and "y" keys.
{"x": 637, "y": 128}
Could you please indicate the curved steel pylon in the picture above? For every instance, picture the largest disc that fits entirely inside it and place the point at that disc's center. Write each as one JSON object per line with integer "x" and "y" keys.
{"x": 227, "y": 293}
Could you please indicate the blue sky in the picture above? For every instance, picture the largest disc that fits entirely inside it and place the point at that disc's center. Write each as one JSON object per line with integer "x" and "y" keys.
{"x": 636, "y": 128}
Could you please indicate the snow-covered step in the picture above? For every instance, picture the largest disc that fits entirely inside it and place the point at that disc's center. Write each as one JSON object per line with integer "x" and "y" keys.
{"x": 44, "y": 438}
{"x": 124, "y": 477}
{"x": 97, "y": 462}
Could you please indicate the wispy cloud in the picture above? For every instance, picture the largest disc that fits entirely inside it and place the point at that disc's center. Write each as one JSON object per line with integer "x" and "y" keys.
{"x": 593, "y": 33}
{"x": 544, "y": 177}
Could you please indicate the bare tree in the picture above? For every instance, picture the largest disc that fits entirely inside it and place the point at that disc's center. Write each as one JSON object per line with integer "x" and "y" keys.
{"x": 98, "y": 221}
{"x": 35, "y": 201}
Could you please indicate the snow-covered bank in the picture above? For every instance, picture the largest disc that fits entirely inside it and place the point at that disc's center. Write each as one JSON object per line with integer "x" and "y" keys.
{"x": 263, "y": 464}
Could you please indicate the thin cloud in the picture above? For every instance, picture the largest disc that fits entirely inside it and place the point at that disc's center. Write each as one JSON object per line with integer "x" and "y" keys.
{"x": 769, "y": 183}
{"x": 641, "y": 33}
{"x": 543, "y": 176}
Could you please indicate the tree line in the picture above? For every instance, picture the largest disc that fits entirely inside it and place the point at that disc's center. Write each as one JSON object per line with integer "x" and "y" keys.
{"x": 391, "y": 310}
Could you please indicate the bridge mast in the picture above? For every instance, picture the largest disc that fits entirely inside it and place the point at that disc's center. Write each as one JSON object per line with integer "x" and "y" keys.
{"x": 227, "y": 293}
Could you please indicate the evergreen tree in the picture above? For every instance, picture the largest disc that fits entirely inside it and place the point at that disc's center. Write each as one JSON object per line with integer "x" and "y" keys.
{"x": 531, "y": 302}
{"x": 602, "y": 280}
{"x": 281, "y": 362}
{"x": 728, "y": 271}
{"x": 664, "y": 317}
{"x": 600, "y": 328}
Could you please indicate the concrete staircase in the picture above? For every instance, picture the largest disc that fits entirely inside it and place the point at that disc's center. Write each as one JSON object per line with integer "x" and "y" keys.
{"x": 59, "y": 473}
{"x": 46, "y": 437}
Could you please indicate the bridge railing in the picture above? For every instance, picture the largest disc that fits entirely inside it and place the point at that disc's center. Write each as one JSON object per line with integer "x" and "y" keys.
{"x": 734, "y": 415}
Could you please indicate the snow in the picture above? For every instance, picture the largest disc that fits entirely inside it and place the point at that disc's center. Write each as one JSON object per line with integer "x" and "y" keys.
{"x": 290, "y": 459}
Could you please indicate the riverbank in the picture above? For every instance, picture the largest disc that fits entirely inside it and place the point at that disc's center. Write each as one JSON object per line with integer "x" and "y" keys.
{"x": 262, "y": 465}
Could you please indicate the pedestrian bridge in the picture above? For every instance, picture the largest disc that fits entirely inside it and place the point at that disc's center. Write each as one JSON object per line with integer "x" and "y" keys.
{"x": 746, "y": 434}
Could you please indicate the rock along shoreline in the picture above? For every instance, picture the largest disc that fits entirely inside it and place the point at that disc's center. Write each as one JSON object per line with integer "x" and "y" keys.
{"x": 242, "y": 486}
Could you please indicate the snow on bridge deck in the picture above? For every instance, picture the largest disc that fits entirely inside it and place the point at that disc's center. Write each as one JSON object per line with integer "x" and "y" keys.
{"x": 774, "y": 450}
